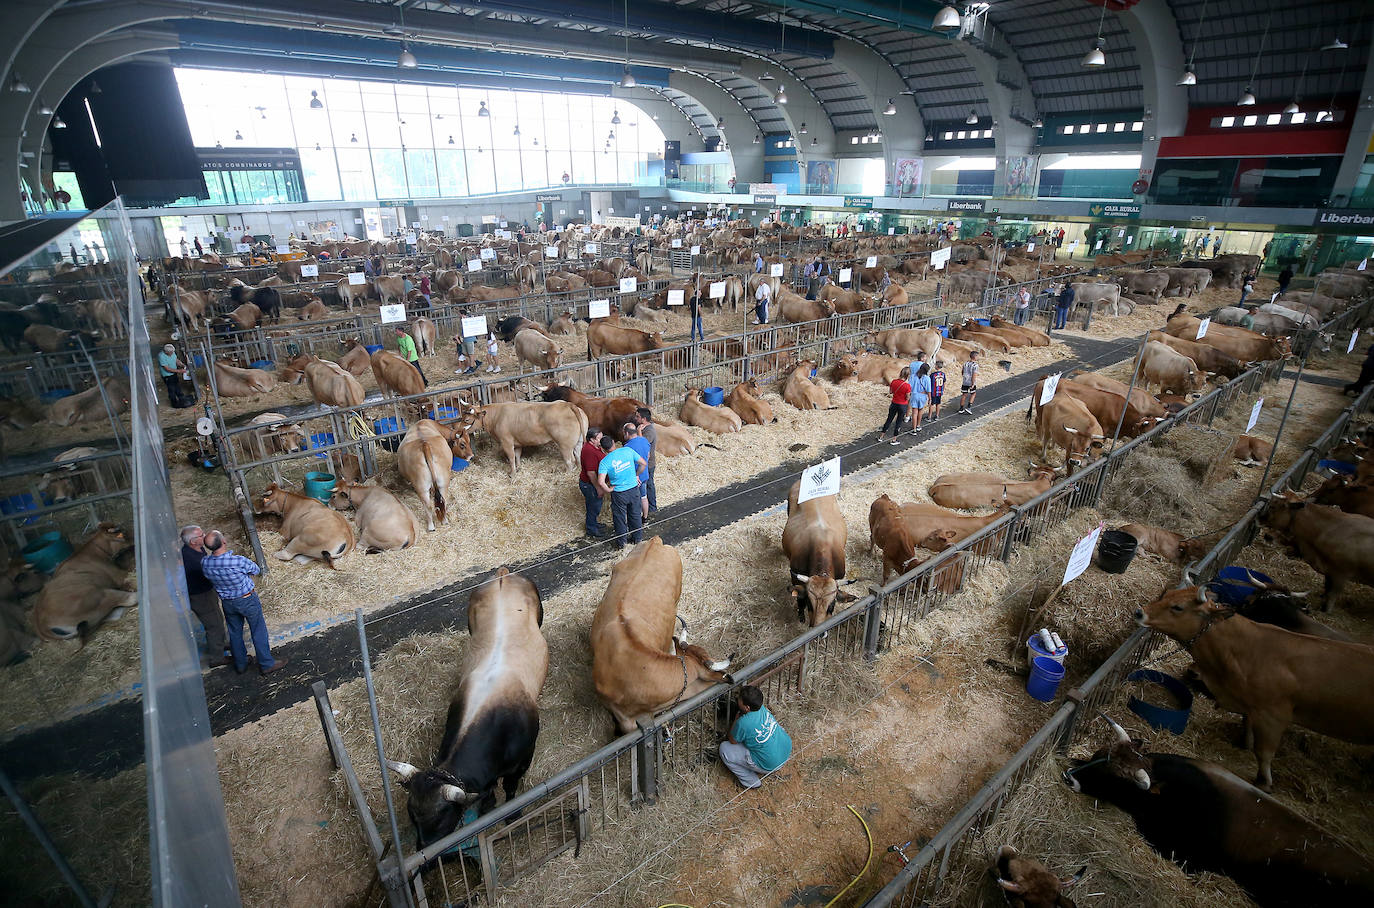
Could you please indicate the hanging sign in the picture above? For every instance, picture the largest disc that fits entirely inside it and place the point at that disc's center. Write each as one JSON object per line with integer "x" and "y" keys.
{"x": 940, "y": 257}
{"x": 474, "y": 325}
{"x": 242, "y": 247}
{"x": 846, "y": 274}
{"x": 310, "y": 271}
{"x": 599, "y": 309}
{"x": 822, "y": 479}
{"x": 1051, "y": 385}
{"x": 474, "y": 264}
{"x": 871, "y": 262}
{"x": 1129, "y": 240}
{"x": 593, "y": 248}
{"x": 1202, "y": 328}
{"x": 677, "y": 244}
{"x": 504, "y": 225}
{"x": 1098, "y": 245}
{"x": 675, "y": 297}
{"x": 550, "y": 252}
{"x": 695, "y": 250}
{"x": 1254, "y": 414}
{"x": 357, "y": 279}
{"x": 1073, "y": 246}
{"x": 283, "y": 249}
{"x": 892, "y": 231}
{"x": 718, "y": 290}
{"x": 300, "y": 223}
{"x": 1354, "y": 336}
{"x": 1030, "y": 247}
{"x": 410, "y": 239}
{"x": 628, "y": 284}
{"x": 1082, "y": 555}
{"x": 393, "y": 313}
{"x": 775, "y": 270}
{"x": 487, "y": 255}
{"x": 1364, "y": 263}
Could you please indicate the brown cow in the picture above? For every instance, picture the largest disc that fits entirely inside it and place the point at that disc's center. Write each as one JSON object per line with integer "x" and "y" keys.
{"x": 425, "y": 459}
{"x": 424, "y": 333}
{"x": 716, "y": 420}
{"x": 246, "y": 316}
{"x": 1207, "y": 358}
{"x": 1348, "y": 494}
{"x": 604, "y": 338}
{"x": 1336, "y": 544}
{"x": 1142, "y": 400}
{"x": 277, "y": 435}
{"x": 793, "y": 308}
{"x": 887, "y": 530}
{"x": 527, "y": 424}
{"x": 310, "y": 530}
{"x": 1032, "y": 337}
{"x": 813, "y": 541}
{"x": 638, "y": 666}
{"x": 1107, "y": 408}
{"x": 315, "y": 309}
{"x": 909, "y": 341}
{"x": 1167, "y": 544}
{"x": 88, "y": 405}
{"x": 383, "y": 522}
{"x": 978, "y": 490}
{"x": 744, "y": 399}
{"x": 1030, "y": 884}
{"x": 1175, "y": 373}
{"x": 937, "y": 528}
{"x": 395, "y": 375}
{"x": 801, "y": 392}
{"x": 390, "y": 289}
{"x": 673, "y": 440}
{"x": 564, "y": 324}
{"x": 356, "y": 360}
{"x": 86, "y": 589}
{"x": 330, "y": 384}
{"x": 535, "y": 348}
{"x": 1271, "y": 676}
{"x": 231, "y": 381}
{"x": 1246, "y": 346}
{"x": 984, "y": 339}
{"x": 867, "y": 367}
{"x": 1067, "y": 423}
{"x": 1251, "y": 451}
{"x": 191, "y": 306}
{"x": 609, "y": 414}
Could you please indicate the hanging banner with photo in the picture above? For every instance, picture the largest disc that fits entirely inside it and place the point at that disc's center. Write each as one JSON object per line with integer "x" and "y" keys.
{"x": 1021, "y": 176}
{"x": 820, "y": 176}
{"x": 822, "y": 479}
{"x": 908, "y": 175}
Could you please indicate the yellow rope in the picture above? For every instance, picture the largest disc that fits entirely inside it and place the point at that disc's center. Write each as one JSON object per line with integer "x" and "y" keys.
{"x": 358, "y": 427}
{"x": 869, "y": 835}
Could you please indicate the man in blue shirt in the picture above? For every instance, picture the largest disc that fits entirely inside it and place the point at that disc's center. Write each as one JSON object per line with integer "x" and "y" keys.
{"x": 232, "y": 576}
{"x": 1061, "y": 308}
{"x": 757, "y": 743}
{"x": 644, "y": 448}
{"x": 618, "y": 475}
{"x": 171, "y": 369}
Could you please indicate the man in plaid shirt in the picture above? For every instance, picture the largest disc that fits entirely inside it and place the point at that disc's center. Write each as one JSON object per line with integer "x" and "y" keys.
{"x": 232, "y": 576}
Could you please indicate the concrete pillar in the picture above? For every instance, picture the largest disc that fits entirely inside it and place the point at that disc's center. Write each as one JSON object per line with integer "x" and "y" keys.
{"x": 1357, "y": 146}
{"x": 1159, "y": 50}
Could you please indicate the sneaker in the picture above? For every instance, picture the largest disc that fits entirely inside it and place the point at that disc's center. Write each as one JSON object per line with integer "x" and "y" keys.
{"x": 915, "y": 429}
{"x": 475, "y": 366}
{"x": 496, "y": 369}
{"x": 276, "y": 666}
{"x": 893, "y": 442}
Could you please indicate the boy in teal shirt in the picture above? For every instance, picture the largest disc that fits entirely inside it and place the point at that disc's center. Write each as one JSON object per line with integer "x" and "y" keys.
{"x": 757, "y": 743}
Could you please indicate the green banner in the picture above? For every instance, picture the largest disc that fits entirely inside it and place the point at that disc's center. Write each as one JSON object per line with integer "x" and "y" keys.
{"x": 858, "y": 201}
{"x": 1114, "y": 209}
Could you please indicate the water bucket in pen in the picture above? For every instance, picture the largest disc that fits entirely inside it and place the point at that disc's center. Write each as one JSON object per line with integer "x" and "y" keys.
{"x": 46, "y": 552}
{"x": 1115, "y": 551}
{"x": 713, "y": 397}
{"x": 1045, "y": 675}
{"x": 1034, "y": 649}
{"x": 319, "y": 486}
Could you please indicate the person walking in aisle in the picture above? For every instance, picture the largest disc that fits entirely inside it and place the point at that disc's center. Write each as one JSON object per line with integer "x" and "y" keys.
{"x": 937, "y": 388}
{"x": 897, "y": 409}
{"x": 969, "y": 389}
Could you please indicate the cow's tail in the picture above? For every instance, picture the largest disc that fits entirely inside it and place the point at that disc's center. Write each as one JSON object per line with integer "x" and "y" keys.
{"x": 440, "y": 506}
{"x": 328, "y": 559}
{"x": 1030, "y": 407}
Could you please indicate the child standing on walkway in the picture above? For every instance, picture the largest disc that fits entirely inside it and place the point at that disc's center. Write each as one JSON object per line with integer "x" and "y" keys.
{"x": 901, "y": 399}
{"x": 937, "y": 388}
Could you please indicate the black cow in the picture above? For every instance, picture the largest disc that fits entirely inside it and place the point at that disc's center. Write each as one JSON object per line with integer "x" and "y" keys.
{"x": 511, "y": 325}
{"x": 265, "y": 298}
{"x": 1207, "y": 818}
{"x": 1282, "y": 609}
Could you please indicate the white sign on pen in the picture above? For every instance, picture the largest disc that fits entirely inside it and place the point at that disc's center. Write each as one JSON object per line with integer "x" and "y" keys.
{"x": 357, "y": 278}
{"x": 1073, "y": 246}
{"x": 1051, "y": 384}
{"x": 940, "y": 257}
{"x": 1254, "y": 414}
{"x": 1098, "y": 245}
{"x": 676, "y": 297}
{"x": 892, "y": 231}
{"x": 846, "y": 274}
{"x": 242, "y": 247}
{"x": 593, "y": 248}
{"x": 1082, "y": 555}
{"x": 629, "y": 284}
{"x": 871, "y": 262}
{"x": 474, "y": 325}
{"x": 677, "y": 244}
{"x": 718, "y": 290}
{"x": 695, "y": 250}
{"x": 504, "y": 225}
{"x": 423, "y": 217}
{"x": 410, "y": 239}
{"x": 581, "y": 211}
{"x": 357, "y": 220}
{"x": 599, "y": 309}
{"x": 1202, "y": 328}
{"x": 300, "y": 223}
{"x": 310, "y": 271}
{"x": 1354, "y": 336}
{"x": 487, "y": 255}
{"x": 1364, "y": 263}
{"x": 1129, "y": 240}
{"x": 820, "y": 480}
{"x": 1030, "y": 247}
{"x": 474, "y": 264}
{"x": 551, "y": 252}
{"x": 444, "y": 218}
{"x": 283, "y": 249}
{"x": 393, "y": 313}
{"x": 1120, "y": 233}
{"x": 775, "y": 270}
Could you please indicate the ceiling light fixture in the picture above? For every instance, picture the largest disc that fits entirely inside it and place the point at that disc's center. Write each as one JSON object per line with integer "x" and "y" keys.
{"x": 59, "y": 123}
{"x": 802, "y": 131}
{"x": 972, "y": 118}
{"x": 1247, "y": 97}
{"x": 19, "y": 85}
{"x": 1336, "y": 44}
{"x": 615, "y": 118}
{"x": 815, "y": 141}
{"x": 1096, "y": 57}
{"x": 406, "y": 60}
{"x": 482, "y": 109}
{"x": 930, "y": 137}
{"x": 353, "y": 138}
{"x": 317, "y": 147}
{"x": 238, "y": 136}
{"x": 757, "y": 138}
{"x": 891, "y": 108}
{"x": 44, "y": 109}
{"x": 781, "y": 96}
{"x": 766, "y": 76}
{"x": 1189, "y": 76}
{"x": 517, "y": 130}
{"x": 1292, "y": 106}
{"x": 450, "y": 140}
{"x": 315, "y": 102}
{"x": 627, "y": 78}
{"x": 947, "y": 19}
{"x": 1038, "y": 123}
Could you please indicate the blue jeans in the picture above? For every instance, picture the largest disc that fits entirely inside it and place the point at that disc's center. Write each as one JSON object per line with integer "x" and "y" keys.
{"x": 647, "y": 489}
{"x": 593, "y": 499}
{"x": 1019, "y": 316}
{"x": 626, "y": 516}
{"x": 247, "y": 609}
{"x": 1061, "y": 316}
{"x": 697, "y": 332}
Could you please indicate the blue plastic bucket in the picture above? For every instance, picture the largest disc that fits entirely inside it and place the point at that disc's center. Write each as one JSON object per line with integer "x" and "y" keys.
{"x": 459, "y": 464}
{"x": 17, "y": 504}
{"x": 944, "y": 330}
{"x": 985, "y": 322}
{"x": 46, "y": 552}
{"x": 387, "y": 427}
{"x": 319, "y": 485}
{"x": 444, "y": 413}
{"x": 1337, "y": 466}
{"x": 1174, "y": 719}
{"x": 198, "y": 360}
{"x": 1045, "y": 675}
{"x": 372, "y": 348}
{"x": 1232, "y": 584}
{"x": 322, "y": 440}
{"x": 1037, "y": 649}
{"x": 265, "y": 365}
{"x": 713, "y": 397}
{"x": 57, "y": 394}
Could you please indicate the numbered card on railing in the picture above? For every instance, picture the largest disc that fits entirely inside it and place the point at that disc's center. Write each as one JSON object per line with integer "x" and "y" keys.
{"x": 474, "y": 264}
{"x": 599, "y": 309}
{"x": 1098, "y": 245}
{"x": 357, "y": 278}
{"x": 1354, "y": 336}
{"x": 718, "y": 290}
{"x": 393, "y": 313}
{"x": 1255, "y": 414}
{"x": 871, "y": 262}
{"x": 488, "y": 254}
{"x": 1030, "y": 247}
{"x": 283, "y": 249}
{"x": 504, "y": 225}
{"x": 310, "y": 271}
{"x": 1129, "y": 240}
{"x": 892, "y": 231}
{"x": 550, "y": 252}
{"x": 1051, "y": 385}
{"x": 1082, "y": 555}
{"x": 775, "y": 270}
{"x": 593, "y": 248}
{"x": 677, "y": 243}
{"x": 676, "y": 298}
{"x": 629, "y": 284}
{"x": 695, "y": 250}
{"x": 940, "y": 257}
{"x": 1202, "y": 328}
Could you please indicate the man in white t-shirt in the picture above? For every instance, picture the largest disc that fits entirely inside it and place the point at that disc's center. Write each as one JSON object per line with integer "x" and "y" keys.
{"x": 761, "y": 297}
{"x": 969, "y": 388}
{"x": 1023, "y": 299}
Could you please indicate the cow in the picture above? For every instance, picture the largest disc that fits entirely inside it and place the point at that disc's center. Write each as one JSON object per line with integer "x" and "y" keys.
{"x": 813, "y": 541}
{"x": 47, "y": 339}
{"x": 527, "y": 424}
{"x": 89, "y": 405}
{"x": 1273, "y": 677}
{"x": 604, "y": 338}
{"x": 1067, "y": 423}
{"x": 190, "y": 306}
{"x": 330, "y": 384}
{"x": 108, "y": 315}
{"x": 510, "y": 326}
{"x": 349, "y": 292}
{"x": 1244, "y": 345}
{"x": 1166, "y": 544}
{"x": 1251, "y": 451}
{"x": 1149, "y": 283}
{"x": 936, "y": 528}
{"x": 356, "y": 361}
{"x": 801, "y": 392}
{"x": 1338, "y": 545}
{"x": 493, "y": 719}
{"x": 793, "y": 308}
{"x": 564, "y": 324}
{"x": 1029, "y": 336}
{"x": 978, "y": 490}
{"x": 1348, "y": 494}
{"x": 1186, "y": 281}
{"x": 395, "y": 375}
{"x": 535, "y": 348}
{"x": 309, "y": 530}
{"x": 638, "y": 666}
{"x": 1142, "y": 400}
{"x": 1030, "y": 884}
{"x": 383, "y": 522}
{"x": 1206, "y": 818}
{"x": 867, "y": 367}
{"x": 1110, "y": 410}
{"x": 1206, "y": 357}
{"x": 424, "y": 333}
{"x": 266, "y": 300}
{"x": 985, "y": 339}
{"x": 716, "y": 420}
{"x": 90, "y": 587}
{"x": 887, "y": 530}
{"x": 673, "y": 440}
{"x": 609, "y": 414}
{"x": 390, "y": 289}
{"x": 276, "y": 435}
{"x": 744, "y": 399}
{"x": 1282, "y": 318}
{"x": 231, "y": 381}
{"x": 1089, "y": 292}
{"x": 1272, "y": 603}
{"x": 1175, "y": 373}
{"x": 907, "y": 341}
{"x": 313, "y": 310}
{"x": 425, "y": 459}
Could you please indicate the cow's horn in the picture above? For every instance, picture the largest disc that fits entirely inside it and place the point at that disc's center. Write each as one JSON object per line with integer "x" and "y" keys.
{"x": 1068, "y": 881}
{"x": 1202, "y": 593}
{"x": 1255, "y": 581}
{"x": 404, "y": 770}
{"x": 1010, "y": 886}
{"x": 802, "y": 578}
{"x": 452, "y": 793}
{"x": 1071, "y": 429}
{"x": 1120, "y": 732}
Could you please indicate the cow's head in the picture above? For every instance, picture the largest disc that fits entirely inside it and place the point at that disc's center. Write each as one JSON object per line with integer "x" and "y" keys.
{"x": 845, "y": 367}
{"x": 462, "y": 442}
{"x": 1183, "y": 614}
{"x": 1282, "y": 510}
{"x": 816, "y": 596}
{"x": 1032, "y": 883}
{"x": 437, "y": 799}
{"x": 345, "y": 495}
{"x": 273, "y": 500}
{"x": 108, "y": 539}
{"x": 827, "y": 307}
{"x": 1118, "y": 773}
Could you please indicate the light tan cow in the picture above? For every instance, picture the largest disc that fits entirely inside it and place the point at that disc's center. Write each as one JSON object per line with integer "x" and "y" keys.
{"x": 331, "y": 384}
{"x": 801, "y": 392}
{"x": 88, "y": 405}
{"x": 395, "y": 375}
{"x": 813, "y": 541}
{"x": 390, "y": 289}
{"x": 383, "y": 522}
{"x": 908, "y": 341}
{"x": 978, "y": 490}
{"x": 867, "y": 367}
{"x": 673, "y": 440}
{"x": 87, "y": 589}
{"x": 528, "y": 424}
{"x": 351, "y": 293}
{"x": 425, "y": 459}
{"x": 276, "y": 435}
{"x": 424, "y": 333}
{"x": 744, "y": 399}
{"x": 310, "y": 531}
{"x": 109, "y": 316}
{"x": 356, "y": 361}
{"x": 535, "y": 348}
{"x": 231, "y": 381}
{"x": 716, "y": 420}
{"x": 191, "y": 306}
{"x": 639, "y": 667}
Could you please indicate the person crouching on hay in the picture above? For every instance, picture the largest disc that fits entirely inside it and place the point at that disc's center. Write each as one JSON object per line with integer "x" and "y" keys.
{"x": 757, "y": 743}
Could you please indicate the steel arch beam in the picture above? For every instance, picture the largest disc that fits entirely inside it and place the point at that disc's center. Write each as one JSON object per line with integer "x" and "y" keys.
{"x": 1159, "y": 48}
{"x": 746, "y": 157}
{"x": 1009, "y": 136}
{"x": 904, "y": 133}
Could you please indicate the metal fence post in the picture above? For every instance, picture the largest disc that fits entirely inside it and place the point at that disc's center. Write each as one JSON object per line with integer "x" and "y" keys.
{"x": 1010, "y": 539}
{"x": 646, "y": 759}
{"x": 873, "y": 626}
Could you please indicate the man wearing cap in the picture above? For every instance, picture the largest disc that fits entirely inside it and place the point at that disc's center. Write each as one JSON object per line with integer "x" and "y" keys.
{"x": 172, "y": 369}
{"x": 232, "y": 577}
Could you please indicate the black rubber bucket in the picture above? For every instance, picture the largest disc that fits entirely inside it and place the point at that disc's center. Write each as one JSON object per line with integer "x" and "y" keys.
{"x": 1115, "y": 551}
